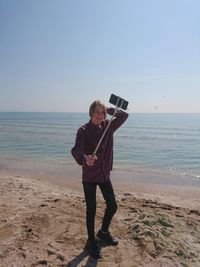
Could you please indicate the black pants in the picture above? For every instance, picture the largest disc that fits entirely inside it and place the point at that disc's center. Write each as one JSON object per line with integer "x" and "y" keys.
{"x": 90, "y": 198}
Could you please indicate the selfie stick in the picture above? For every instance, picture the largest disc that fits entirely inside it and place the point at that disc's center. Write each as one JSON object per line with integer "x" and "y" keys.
{"x": 116, "y": 109}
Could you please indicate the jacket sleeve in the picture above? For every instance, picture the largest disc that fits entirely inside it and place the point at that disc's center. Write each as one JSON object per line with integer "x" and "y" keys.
{"x": 78, "y": 150}
{"x": 119, "y": 118}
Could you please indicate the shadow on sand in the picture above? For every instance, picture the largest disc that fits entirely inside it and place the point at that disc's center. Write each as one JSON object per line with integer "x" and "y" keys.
{"x": 91, "y": 262}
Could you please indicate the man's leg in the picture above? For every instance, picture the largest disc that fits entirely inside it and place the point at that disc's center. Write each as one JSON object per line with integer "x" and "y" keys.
{"x": 111, "y": 204}
{"x": 109, "y": 196}
{"x": 90, "y": 199}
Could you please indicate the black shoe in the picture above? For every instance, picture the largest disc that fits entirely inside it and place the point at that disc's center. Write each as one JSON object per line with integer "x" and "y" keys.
{"x": 107, "y": 238}
{"x": 92, "y": 248}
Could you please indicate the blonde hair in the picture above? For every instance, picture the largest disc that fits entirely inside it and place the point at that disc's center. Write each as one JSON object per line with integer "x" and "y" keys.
{"x": 94, "y": 105}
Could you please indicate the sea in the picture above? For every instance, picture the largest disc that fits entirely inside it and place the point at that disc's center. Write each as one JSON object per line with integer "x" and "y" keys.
{"x": 152, "y": 144}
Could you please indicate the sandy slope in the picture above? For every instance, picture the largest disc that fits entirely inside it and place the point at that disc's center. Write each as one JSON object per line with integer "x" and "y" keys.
{"x": 43, "y": 225}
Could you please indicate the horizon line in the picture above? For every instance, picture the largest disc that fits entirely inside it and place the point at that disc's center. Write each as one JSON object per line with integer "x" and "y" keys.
{"x": 84, "y": 112}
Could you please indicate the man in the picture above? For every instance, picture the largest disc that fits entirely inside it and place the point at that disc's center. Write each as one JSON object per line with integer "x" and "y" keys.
{"x": 96, "y": 170}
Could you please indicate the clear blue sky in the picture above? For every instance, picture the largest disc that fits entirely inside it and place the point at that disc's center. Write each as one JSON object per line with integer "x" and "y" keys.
{"x": 60, "y": 55}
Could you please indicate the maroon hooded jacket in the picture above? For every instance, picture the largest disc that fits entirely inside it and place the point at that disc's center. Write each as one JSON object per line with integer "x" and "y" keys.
{"x": 87, "y": 138}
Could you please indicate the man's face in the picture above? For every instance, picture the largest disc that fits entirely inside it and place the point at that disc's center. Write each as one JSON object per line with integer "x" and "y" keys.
{"x": 98, "y": 115}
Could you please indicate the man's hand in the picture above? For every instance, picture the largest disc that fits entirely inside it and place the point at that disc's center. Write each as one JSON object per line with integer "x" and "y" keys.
{"x": 90, "y": 159}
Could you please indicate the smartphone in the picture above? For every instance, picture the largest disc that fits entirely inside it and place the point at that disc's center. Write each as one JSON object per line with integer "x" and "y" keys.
{"x": 118, "y": 102}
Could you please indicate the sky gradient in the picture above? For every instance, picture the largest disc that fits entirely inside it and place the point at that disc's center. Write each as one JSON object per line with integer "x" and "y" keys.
{"x": 60, "y": 55}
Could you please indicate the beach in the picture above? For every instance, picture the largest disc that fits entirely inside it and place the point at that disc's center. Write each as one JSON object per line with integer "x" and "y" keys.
{"x": 156, "y": 179}
{"x": 42, "y": 223}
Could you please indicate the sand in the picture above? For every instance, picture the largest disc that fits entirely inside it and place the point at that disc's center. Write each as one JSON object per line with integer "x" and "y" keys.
{"x": 42, "y": 224}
